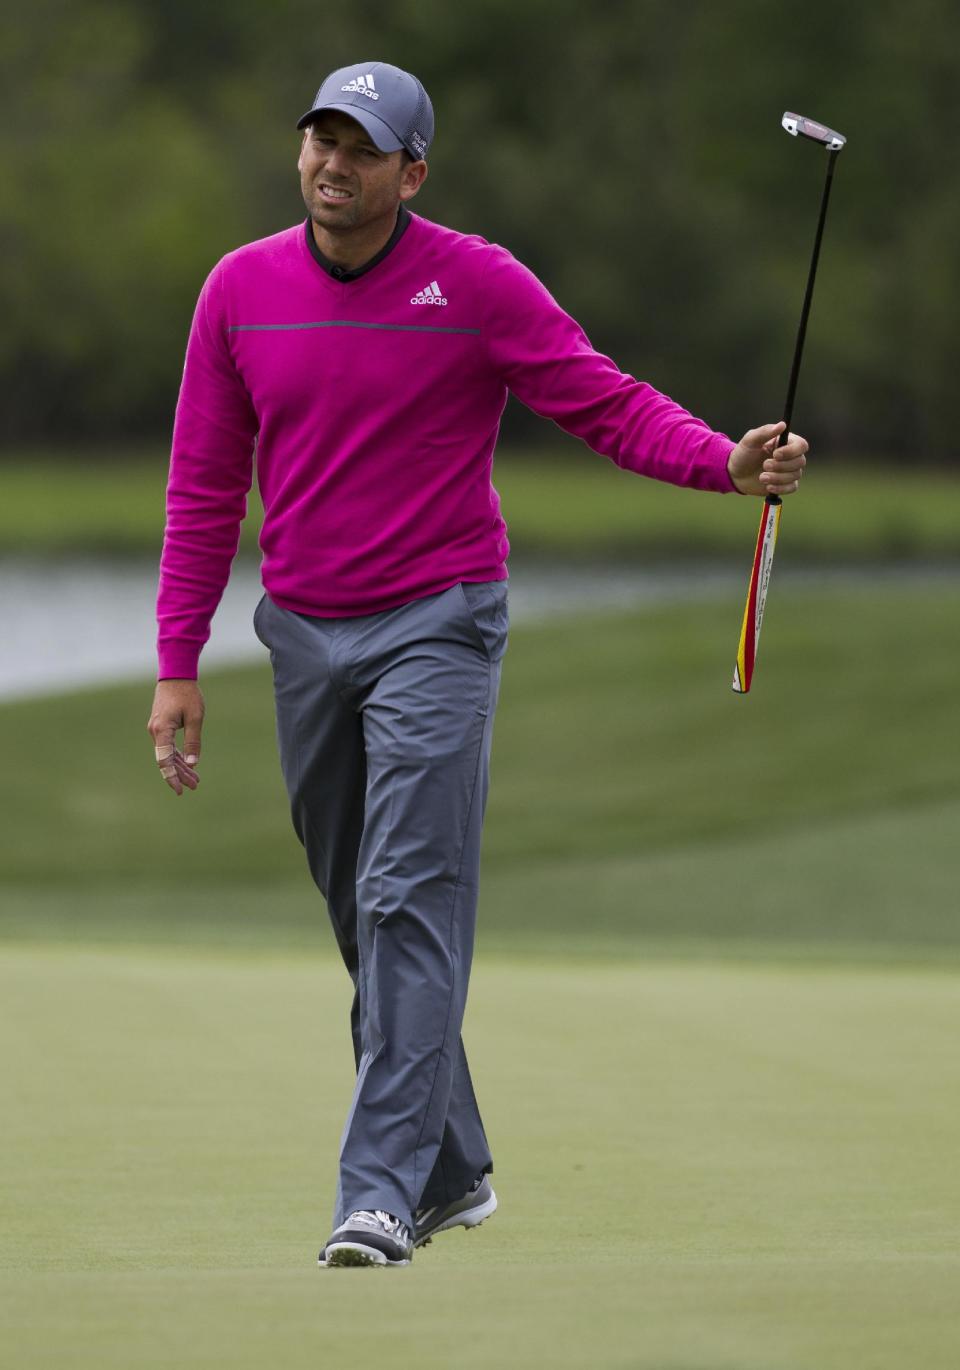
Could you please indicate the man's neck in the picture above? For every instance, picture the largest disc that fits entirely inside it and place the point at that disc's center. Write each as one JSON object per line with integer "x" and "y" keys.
{"x": 351, "y": 249}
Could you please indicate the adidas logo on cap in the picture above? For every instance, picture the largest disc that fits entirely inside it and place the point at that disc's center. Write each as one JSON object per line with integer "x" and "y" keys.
{"x": 364, "y": 86}
{"x": 430, "y": 294}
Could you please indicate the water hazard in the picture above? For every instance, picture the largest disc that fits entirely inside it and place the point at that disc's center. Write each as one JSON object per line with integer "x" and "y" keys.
{"x": 71, "y": 624}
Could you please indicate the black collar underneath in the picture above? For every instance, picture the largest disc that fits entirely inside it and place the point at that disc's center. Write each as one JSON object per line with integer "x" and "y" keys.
{"x": 340, "y": 273}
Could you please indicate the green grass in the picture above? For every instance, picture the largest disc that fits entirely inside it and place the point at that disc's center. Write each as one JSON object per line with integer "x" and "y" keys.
{"x": 635, "y": 799}
{"x": 723, "y": 1107}
{"x": 699, "y": 1168}
{"x": 557, "y": 504}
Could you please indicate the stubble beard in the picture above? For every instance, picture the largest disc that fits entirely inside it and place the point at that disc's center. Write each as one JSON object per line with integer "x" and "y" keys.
{"x": 344, "y": 219}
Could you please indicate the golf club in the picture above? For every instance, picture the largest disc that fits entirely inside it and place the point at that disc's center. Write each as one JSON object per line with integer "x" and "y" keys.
{"x": 798, "y": 126}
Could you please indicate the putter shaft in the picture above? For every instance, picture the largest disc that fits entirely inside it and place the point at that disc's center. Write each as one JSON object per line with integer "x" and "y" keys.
{"x": 770, "y": 516}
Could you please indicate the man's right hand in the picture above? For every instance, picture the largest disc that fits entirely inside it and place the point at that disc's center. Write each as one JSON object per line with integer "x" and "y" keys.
{"x": 177, "y": 704}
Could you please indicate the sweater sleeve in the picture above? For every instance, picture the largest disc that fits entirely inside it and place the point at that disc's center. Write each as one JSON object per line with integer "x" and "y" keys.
{"x": 211, "y": 468}
{"x": 547, "y": 361}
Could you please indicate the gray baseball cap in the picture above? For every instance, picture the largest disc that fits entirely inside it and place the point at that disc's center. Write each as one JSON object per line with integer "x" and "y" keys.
{"x": 391, "y": 105}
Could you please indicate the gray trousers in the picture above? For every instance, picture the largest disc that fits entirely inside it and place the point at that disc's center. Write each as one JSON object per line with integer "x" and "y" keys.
{"x": 384, "y": 725}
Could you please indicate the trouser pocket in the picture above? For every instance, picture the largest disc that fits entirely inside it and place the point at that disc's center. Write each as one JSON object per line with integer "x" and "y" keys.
{"x": 486, "y": 605}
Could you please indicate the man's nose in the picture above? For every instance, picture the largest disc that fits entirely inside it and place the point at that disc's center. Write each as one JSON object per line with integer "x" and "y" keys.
{"x": 339, "y": 162}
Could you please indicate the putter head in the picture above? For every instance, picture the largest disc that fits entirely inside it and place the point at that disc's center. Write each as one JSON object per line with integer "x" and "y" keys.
{"x": 817, "y": 133}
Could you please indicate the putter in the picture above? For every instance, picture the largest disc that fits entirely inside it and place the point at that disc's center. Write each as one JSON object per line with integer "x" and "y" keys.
{"x": 799, "y": 127}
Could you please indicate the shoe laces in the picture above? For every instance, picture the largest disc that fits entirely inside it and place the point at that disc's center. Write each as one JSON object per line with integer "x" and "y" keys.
{"x": 377, "y": 1217}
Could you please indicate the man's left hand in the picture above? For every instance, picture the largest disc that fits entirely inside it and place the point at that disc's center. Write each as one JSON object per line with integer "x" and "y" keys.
{"x": 757, "y": 466}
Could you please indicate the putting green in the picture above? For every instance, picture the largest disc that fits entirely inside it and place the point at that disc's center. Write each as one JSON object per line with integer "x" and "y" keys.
{"x": 736, "y": 1167}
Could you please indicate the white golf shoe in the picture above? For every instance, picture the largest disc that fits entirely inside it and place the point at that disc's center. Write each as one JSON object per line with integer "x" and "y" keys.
{"x": 478, "y": 1204}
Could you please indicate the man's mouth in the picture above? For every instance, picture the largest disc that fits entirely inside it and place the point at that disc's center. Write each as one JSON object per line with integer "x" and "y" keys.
{"x": 333, "y": 193}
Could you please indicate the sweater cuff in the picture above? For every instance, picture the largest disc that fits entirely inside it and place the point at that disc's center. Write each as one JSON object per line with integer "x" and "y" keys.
{"x": 721, "y": 447}
{"x": 178, "y": 660}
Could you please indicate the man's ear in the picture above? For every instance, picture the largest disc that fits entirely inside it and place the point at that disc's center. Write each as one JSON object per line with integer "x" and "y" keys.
{"x": 303, "y": 144}
{"x": 413, "y": 176}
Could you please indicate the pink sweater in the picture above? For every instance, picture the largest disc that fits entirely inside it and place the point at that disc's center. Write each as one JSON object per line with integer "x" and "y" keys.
{"x": 373, "y": 407}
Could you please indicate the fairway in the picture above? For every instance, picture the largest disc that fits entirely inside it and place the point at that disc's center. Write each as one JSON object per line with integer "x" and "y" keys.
{"x": 816, "y": 818}
{"x": 699, "y": 1168}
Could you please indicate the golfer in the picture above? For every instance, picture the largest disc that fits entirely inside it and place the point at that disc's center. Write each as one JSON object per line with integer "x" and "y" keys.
{"x": 361, "y": 361}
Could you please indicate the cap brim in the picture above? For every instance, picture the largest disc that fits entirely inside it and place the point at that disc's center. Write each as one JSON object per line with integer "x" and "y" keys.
{"x": 384, "y": 137}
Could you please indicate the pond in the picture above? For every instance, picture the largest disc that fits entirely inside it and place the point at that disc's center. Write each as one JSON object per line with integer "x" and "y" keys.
{"x": 70, "y": 624}
{"x": 80, "y": 623}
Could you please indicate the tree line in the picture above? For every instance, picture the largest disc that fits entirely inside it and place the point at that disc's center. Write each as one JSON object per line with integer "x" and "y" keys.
{"x": 629, "y": 152}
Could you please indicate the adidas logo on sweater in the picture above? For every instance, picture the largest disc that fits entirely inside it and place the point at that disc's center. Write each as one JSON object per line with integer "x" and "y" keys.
{"x": 364, "y": 86}
{"x": 430, "y": 294}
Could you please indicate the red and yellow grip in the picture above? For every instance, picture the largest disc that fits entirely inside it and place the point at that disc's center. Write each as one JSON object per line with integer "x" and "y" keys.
{"x": 757, "y": 594}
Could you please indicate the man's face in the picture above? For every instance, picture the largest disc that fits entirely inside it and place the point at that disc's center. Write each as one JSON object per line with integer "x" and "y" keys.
{"x": 347, "y": 182}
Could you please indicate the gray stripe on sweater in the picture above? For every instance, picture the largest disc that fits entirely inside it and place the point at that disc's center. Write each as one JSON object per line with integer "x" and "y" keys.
{"x": 346, "y": 323}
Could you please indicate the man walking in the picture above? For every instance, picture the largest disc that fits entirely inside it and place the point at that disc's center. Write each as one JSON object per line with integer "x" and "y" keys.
{"x": 364, "y": 357}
